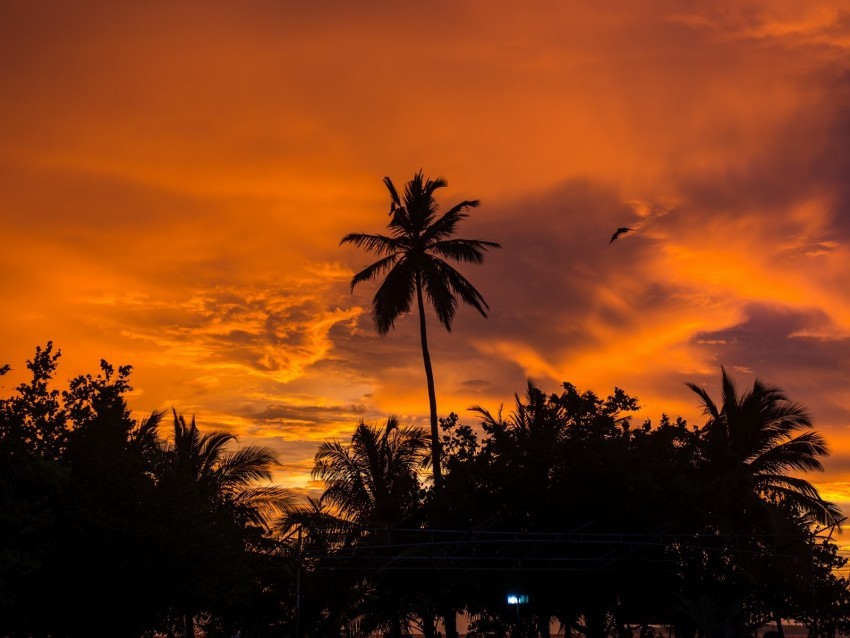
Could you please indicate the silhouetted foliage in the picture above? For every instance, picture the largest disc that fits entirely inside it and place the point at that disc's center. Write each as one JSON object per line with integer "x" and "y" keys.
{"x": 371, "y": 482}
{"x": 414, "y": 266}
{"x": 609, "y": 526}
{"x": 109, "y": 531}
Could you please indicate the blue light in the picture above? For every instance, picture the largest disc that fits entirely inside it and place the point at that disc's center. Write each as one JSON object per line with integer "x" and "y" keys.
{"x": 517, "y": 599}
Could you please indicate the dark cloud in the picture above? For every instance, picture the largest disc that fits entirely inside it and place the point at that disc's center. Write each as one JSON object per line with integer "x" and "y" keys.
{"x": 838, "y": 463}
{"x": 314, "y": 414}
{"x": 476, "y": 385}
{"x": 782, "y": 346}
{"x": 545, "y": 284}
{"x": 803, "y": 158}
{"x": 833, "y": 161}
{"x": 775, "y": 337}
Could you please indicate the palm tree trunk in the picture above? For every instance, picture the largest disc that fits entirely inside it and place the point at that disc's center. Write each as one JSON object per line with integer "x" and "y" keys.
{"x": 428, "y": 630}
{"x": 450, "y": 623}
{"x": 432, "y": 395}
{"x": 449, "y": 620}
{"x": 777, "y": 617}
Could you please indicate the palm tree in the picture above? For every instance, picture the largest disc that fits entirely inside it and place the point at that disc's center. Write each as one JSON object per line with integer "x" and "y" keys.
{"x": 373, "y": 480}
{"x": 754, "y": 442}
{"x": 756, "y": 435}
{"x": 224, "y": 476}
{"x": 413, "y": 257}
{"x": 216, "y": 502}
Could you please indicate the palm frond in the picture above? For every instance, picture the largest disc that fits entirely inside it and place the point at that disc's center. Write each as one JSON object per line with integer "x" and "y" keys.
{"x": 378, "y": 244}
{"x": 343, "y": 475}
{"x": 458, "y": 286}
{"x": 368, "y": 445}
{"x": 487, "y": 418}
{"x": 787, "y": 417}
{"x": 319, "y": 527}
{"x": 394, "y": 297}
{"x": 245, "y": 466}
{"x": 394, "y": 199}
{"x": 465, "y": 250}
{"x": 446, "y": 224}
{"x": 800, "y": 453}
{"x": 803, "y": 497}
{"x": 211, "y": 450}
{"x": 146, "y": 434}
{"x": 731, "y": 402}
{"x": 260, "y": 504}
{"x": 438, "y": 292}
{"x": 375, "y": 270}
{"x": 708, "y": 406}
{"x": 419, "y": 202}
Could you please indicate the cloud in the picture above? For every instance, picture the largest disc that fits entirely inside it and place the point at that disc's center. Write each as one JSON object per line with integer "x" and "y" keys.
{"x": 315, "y": 415}
{"x": 801, "y": 351}
{"x": 275, "y": 330}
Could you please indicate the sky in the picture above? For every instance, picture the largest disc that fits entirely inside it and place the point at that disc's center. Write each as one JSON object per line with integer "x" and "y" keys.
{"x": 175, "y": 179}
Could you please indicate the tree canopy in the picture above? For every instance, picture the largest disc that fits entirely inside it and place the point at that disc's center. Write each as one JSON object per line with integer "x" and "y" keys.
{"x": 113, "y": 526}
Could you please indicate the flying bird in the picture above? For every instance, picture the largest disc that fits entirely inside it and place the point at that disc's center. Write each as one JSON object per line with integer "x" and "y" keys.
{"x": 619, "y": 232}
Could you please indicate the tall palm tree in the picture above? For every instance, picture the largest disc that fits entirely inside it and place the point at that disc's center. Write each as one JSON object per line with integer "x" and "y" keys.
{"x": 413, "y": 260}
{"x": 756, "y": 435}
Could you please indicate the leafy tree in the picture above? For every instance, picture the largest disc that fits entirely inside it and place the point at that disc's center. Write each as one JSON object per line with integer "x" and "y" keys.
{"x": 33, "y": 421}
{"x": 371, "y": 487}
{"x": 825, "y": 607}
{"x": 413, "y": 263}
{"x": 104, "y": 528}
{"x": 76, "y": 487}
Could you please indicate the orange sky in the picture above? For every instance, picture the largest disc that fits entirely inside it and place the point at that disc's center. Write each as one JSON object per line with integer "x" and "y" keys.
{"x": 175, "y": 179}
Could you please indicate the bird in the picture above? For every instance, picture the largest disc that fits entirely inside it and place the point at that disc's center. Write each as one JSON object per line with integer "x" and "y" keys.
{"x": 619, "y": 232}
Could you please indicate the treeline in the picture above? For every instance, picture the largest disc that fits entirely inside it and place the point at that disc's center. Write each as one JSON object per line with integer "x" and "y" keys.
{"x": 109, "y": 529}
{"x": 607, "y": 527}
{"x": 117, "y": 527}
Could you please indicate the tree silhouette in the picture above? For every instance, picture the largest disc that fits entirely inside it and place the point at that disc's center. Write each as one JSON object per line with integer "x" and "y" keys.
{"x": 108, "y": 530}
{"x": 373, "y": 481}
{"x": 754, "y": 438}
{"x": 753, "y": 444}
{"x": 215, "y": 506}
{"x": 413, "y": 260}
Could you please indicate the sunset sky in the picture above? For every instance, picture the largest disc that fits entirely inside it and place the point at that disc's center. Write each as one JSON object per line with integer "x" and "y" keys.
{"x": 175, "y": 178}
